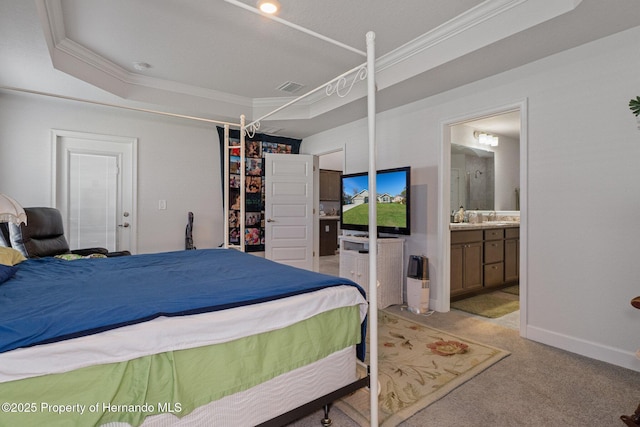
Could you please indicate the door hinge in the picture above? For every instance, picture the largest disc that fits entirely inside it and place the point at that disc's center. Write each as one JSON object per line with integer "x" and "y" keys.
{"x": 314, "y": 211}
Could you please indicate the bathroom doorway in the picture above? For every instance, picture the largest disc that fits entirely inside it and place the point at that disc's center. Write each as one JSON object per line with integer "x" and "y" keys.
{"x": 485, "y": 182}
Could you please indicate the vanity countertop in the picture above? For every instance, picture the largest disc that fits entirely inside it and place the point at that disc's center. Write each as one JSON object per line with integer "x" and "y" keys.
{"x": 483, "y": 225}
{"x": 329, "y": 217}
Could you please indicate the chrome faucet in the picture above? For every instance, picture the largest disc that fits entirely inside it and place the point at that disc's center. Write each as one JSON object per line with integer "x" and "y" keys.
{"x": 492, "y": 216}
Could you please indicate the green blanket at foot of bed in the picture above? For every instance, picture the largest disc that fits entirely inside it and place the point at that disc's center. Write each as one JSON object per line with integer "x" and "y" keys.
{"x": 175, "y": 381}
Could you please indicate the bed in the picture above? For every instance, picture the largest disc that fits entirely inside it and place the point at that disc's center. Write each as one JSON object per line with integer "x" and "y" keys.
{"x": 177, "y": 338}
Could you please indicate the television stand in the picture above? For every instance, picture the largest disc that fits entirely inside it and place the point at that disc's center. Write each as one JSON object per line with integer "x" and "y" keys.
{"x": 354, "y": 265}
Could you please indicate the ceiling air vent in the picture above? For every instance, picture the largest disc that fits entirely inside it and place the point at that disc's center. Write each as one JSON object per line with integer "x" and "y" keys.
{"x": 290, "y": 87}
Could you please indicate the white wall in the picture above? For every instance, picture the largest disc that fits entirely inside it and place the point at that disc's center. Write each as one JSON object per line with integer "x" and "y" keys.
{"x": 178, "y": 161}
{"x": 582, "y": 154}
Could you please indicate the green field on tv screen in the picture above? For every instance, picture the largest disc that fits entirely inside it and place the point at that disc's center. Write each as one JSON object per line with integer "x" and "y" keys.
{"x": 389, "y": 215}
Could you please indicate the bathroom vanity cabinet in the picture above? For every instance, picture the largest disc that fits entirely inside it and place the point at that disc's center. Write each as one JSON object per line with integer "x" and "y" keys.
{"x": 512, "y": 254}
{"x": 483, "y": 257}
{"x": 466, "y": 261}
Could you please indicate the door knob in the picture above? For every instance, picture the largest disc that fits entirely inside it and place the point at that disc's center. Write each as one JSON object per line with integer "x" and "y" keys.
{"x": 271, "y": 220}
{"x": 125, "y": 225}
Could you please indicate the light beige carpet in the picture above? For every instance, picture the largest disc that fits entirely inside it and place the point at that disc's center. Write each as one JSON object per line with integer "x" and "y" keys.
{"x": 417, "y": 366}
{"x": 488, "y": 305}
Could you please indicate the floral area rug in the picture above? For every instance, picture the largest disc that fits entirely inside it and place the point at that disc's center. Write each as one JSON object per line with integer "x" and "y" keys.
{"x": 417, "y": 365}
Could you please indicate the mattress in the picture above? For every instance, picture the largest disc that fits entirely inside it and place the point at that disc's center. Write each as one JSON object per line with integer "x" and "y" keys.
{"x": 268, "y": 399}
{"x": 173, "y": 333}
{"x": 162, "y": 342}
{"x": 50, "y": 300}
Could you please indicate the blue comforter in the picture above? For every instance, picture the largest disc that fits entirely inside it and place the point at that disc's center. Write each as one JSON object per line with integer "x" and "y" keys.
{"x": 51, "y": 300}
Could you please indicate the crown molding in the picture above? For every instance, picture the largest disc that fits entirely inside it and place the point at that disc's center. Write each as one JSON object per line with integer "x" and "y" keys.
{"x": 451, "y": 33}
{"x": 63, "y": 49}
{"x": 452, "y": 39}
{"x": 456, "y": 26}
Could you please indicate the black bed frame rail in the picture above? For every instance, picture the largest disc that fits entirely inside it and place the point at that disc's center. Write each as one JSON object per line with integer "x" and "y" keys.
{"x": 317, "y": 404}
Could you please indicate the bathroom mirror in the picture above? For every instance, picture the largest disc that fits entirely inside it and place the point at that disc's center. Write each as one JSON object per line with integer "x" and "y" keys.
{"x": 486, "y": 177}
{"x": 472, "y": 178}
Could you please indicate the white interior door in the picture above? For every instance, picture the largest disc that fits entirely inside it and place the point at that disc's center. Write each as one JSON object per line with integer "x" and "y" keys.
{"x": 290, "y": 223}
{"x": 95, "y": 190}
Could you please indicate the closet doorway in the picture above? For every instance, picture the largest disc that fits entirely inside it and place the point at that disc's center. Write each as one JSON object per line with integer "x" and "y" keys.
{"x": 94, "y": 189}
{"x": 331, "y": 165}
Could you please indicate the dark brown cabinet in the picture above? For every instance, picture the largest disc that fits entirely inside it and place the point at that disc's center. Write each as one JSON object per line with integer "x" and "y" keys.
{"x": 329, "y": 185}
{"x": 483, "y": 258}
{"x": 512, "y": 255}
{"x": 466, "y": 261}
{"x": 328, "y": 236}
{"x": 493, "y": 257}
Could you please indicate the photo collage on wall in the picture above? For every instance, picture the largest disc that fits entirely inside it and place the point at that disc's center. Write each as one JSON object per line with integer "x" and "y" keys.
{"x": 254, "y": 190}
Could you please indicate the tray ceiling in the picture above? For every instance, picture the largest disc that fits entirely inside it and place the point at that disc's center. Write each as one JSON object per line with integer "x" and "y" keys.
{"x": 217, "y": 60}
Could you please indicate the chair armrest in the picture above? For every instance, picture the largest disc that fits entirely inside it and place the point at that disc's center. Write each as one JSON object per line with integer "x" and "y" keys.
{"x": 119, "y": 253}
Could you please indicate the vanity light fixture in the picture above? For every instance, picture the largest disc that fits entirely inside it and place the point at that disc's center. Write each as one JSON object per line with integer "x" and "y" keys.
{"x": 485, "y": 138}
{"x": 269, "y": 6}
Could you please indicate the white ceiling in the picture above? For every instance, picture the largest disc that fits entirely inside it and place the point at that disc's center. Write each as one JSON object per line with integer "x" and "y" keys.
{"x": 213, "y": 59}
{"x": 506, "y": 124}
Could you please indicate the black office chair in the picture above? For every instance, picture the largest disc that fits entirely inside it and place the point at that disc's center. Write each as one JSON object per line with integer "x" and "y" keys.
{"x": 43, "y": 236}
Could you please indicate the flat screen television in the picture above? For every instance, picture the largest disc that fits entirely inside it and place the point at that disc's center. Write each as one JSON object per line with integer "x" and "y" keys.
{"x": 393, "y": 201}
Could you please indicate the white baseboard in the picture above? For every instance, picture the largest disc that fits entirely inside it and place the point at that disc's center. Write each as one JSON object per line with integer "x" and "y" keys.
{"x": 593, "y": 350}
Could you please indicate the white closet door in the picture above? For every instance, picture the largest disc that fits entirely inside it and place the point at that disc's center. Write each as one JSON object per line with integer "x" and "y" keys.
{"x": 95, "y": 189}
{"x": 289, "y": 209}
{"x": 93, "y": 192}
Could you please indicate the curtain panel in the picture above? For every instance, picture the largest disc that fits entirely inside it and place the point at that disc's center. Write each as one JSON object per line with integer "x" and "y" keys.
{"x": 255, "y": 149}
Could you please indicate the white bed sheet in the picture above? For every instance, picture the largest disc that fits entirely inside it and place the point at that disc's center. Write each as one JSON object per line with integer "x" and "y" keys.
{"x": 173, "y": 333}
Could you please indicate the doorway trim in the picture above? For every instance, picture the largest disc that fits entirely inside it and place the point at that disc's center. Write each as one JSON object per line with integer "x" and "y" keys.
{"x": 444, "y": 235}
{"x": 131, "y": 205}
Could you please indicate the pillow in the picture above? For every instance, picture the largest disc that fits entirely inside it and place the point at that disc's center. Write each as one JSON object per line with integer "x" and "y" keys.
{"x": 4, "y": 236}
{"x": 10, "y": 256}
{"x": 16, "y": 240}
{"x": 7, "y": 272}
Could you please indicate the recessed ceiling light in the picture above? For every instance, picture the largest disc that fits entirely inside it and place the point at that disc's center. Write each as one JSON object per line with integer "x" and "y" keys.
{"x": 141, "y": 66}
{"x": 269, "y": 6}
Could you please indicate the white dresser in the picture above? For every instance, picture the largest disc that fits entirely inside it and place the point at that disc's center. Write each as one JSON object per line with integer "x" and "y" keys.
{"x": 354, "y": 265}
